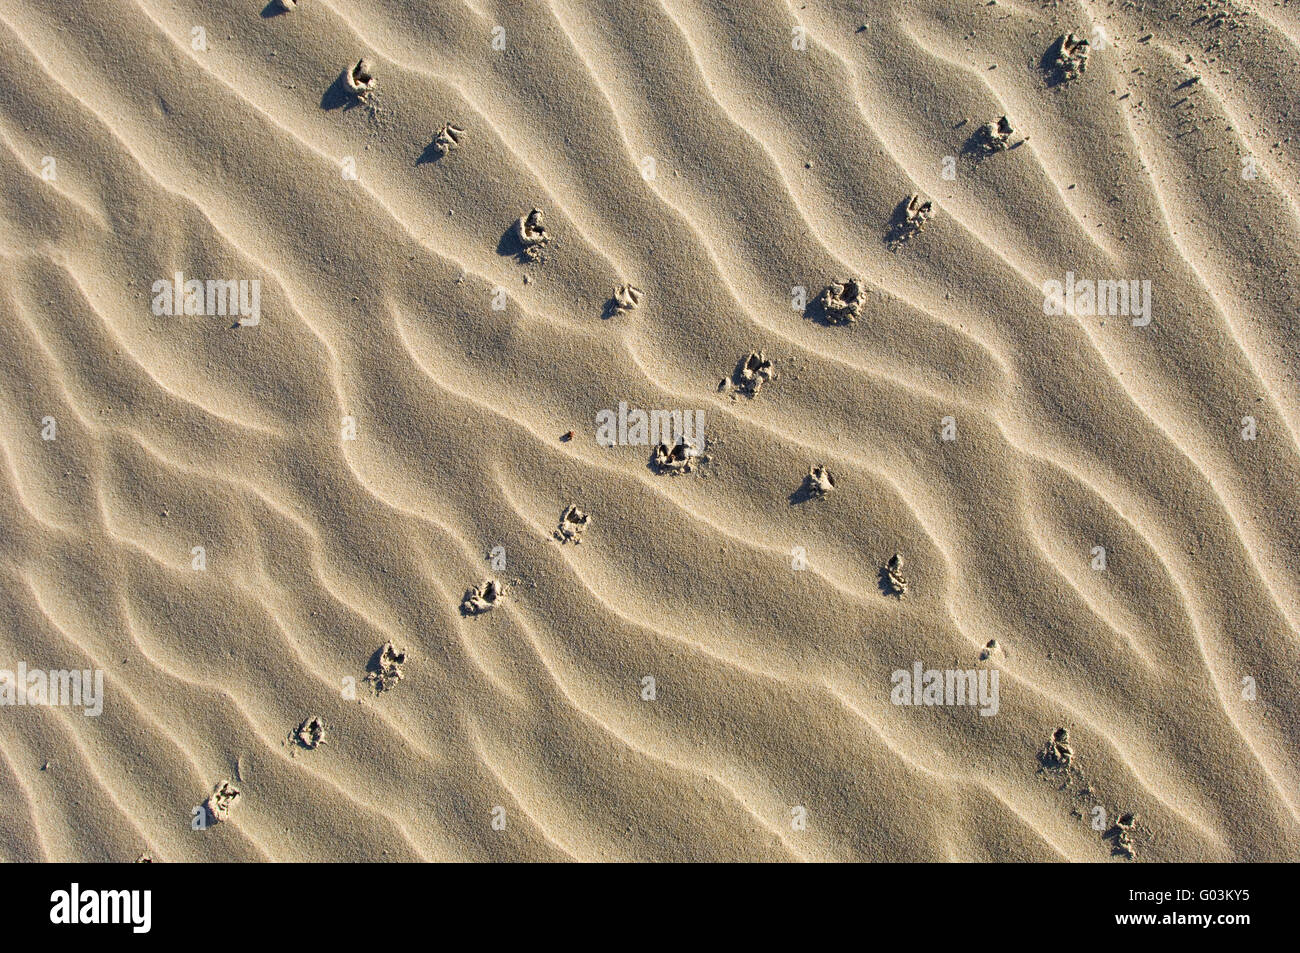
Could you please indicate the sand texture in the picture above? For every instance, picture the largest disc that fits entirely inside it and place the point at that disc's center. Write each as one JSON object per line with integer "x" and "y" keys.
{"x": 364, "y": 579}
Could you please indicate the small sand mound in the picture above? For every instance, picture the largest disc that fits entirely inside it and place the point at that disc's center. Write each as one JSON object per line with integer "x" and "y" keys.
{"x": 842, "y": 302}
{"x": 287, "y": 5}
{"x": 532, "y": 234}
{"x": 221, "y": 801}
{"x": 1057, "y": 753}
{"x": 990, "y": 649}
{"x": 819, "y": 481}
{"x": 447, "y": 138}
{"x": 892, "y": 578}
{"x": 1070, "y": 56}
{"x": 992, "y": 138}
{"x": 681, "y": 458}
{"x": 910, "y": 218}
{"x": 625, "y": 298}
{"x": 360, "y": 80}
{"x": 486, "y": 597}
{"x": 386, "y": 667}
{"x": 750, "y": 375}
{"x": 311, "y": 733}
{"x": 573, "y": 523}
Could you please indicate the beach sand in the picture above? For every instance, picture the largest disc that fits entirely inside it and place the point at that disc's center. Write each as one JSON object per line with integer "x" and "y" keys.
{"x": 364, "y": 580}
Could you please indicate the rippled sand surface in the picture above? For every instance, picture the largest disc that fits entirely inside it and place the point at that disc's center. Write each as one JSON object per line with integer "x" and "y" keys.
{"x": 229, "y": 516}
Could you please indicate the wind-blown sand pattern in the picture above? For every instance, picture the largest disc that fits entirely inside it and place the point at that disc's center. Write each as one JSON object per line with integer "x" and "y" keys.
{"x": 228, "y": 514}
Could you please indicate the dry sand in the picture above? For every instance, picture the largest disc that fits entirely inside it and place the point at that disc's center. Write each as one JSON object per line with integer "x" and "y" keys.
{"x": 320, "y": 560}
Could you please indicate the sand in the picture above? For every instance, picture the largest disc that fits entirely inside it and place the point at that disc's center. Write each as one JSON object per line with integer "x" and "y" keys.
{"x": 443, "y": 237}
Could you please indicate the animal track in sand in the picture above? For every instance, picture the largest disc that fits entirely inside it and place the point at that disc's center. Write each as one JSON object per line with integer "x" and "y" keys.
{"x": 1069, "y": 55}
{"x": 573, "y": 523}
{"x": 447, "y": 138}
{"x": 891, "y": 576}
{"x": 626, "y": 298}
{"x": 990, "y": 649}
{"x": 842, "y": 302}
{"x": 751, "y": 373}
{"x": 1057, "y": 753}
{"x": 483, "y": 598}
{"x": 681, "y": 458}
{"x": 386, "y": 667}
{"x": 221, "y": 801}
{"x": 819, "y": 481}
{"x": 1121, "y": 836}
{"x": 360, "y": 80}
{"x": 311, "y": 733}
{"x": 532, "y": 234}
{"x": 910, "y": 218}
{"x": 991, "y": 138}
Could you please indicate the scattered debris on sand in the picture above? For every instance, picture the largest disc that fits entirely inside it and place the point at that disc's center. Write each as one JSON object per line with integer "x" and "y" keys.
{"x": 482, "y": 599}
{"x": 842, "y": 302}
{"x": 446, "y": 139}
{"x": 311, "y": 733}
{"x": 751, "y": 373}
{"x": 219, "y": 803}
{"x": 992, "y": 138}
{"x": 990, "y": 649}
{"x": 573, "y": 523}
{"x": 1069, "y": 55}
{"x": 680, "y": 458}
{"x": 360, "y": 80}
{"x": 891, "y": 574}
{"x": 1057, "y": 753}
{"x": 625, "y": 298}
{"x": 1121, "y": 836}
{"x": 385, "y": 667}
{"x": 819, "y": 481}
{"x": 532, "y": 234}
{"x": 910, "y": 218}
